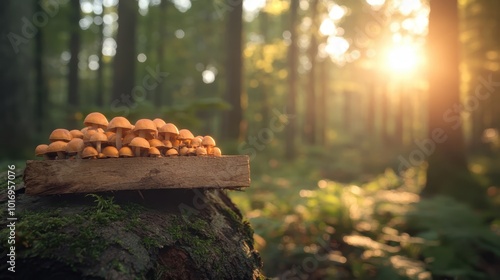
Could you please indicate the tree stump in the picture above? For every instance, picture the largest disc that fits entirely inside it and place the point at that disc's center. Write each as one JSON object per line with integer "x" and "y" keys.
{"x": 160, "y": 234}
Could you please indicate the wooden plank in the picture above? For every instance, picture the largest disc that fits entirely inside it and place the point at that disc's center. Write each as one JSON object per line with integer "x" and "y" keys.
{"x": 45, "y": 177}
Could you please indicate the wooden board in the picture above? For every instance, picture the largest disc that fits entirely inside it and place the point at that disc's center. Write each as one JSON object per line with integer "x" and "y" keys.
{"x": 45, "y": 177}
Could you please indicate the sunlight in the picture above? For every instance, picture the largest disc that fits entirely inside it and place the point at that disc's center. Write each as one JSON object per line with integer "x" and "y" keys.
{"x": 402, "y": 58}
{"x": 327, "y": 27}
{"x": 253, "y": 6}
{"x": 337, "y": 12}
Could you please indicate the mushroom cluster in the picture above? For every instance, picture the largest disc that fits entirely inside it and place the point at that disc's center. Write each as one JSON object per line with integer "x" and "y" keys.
{"x": 119, "y": 138}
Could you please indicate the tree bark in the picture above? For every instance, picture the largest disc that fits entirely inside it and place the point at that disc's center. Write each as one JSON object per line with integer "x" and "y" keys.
{"x": 234, "y": 127}
{"x": 166, "y": 234}
{"x": 290, "y": 151}
{"x": 124, "y": 64}
{"x": 447, "y": 171}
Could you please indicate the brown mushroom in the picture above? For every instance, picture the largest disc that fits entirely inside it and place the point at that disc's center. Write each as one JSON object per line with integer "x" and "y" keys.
{"x": 159, "y": 123}
{"x": 60, "y": 134}
{"x": 201, "y": 151}
{"x": 185, "y": 136}
{"x": 183, "y": 151}
{"x": 172, "y": 152}
{"x": 89, "y": 132}
{"x": 154, "y": 152}
{"x": 75, "y": 147}
{"x": 144, "y": 128}
{"x": 169, "y": 131}
{"x": 97, "y": 138}
{"x": 208, "y": 142}
{"x": 75, "y": 133}
{"x": 89, "y": 152}
{"x": 125, "y": 152}
{"x": 111, "y": 152}
{"x": 168, "y": 144}
{"x": 41, "y": 151}
{"x": 217, "y": 152}
{"x": 57, "y": 147}
{"x": 139, "y": 143}
{"x": 158, "y": 144}
{"x": 128, "y": 138}
{"x": 119, "y": 125}
{"x": 96, "y": 120}
{"x": 196, "y": 142}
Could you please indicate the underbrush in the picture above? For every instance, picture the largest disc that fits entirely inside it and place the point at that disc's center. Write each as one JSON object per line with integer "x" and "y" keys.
{"x": 307, "y": 228}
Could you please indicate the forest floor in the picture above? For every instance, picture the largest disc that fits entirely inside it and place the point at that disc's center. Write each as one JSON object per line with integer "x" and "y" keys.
{"x": 369, "y": 223}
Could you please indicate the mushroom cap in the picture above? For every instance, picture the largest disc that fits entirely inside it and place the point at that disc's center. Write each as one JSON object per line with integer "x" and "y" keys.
{"x": 60, "y": 134}
{"x": 75, "y": 145}
{"x": 111, "y": 152}
{"x": 109, "y": 134}
{"x": 41, "y": 149}
{"x": 75, "y": 133}
{"x": 146, "y": 125}
{"x": 153, "y": 151}
{"x": 217, "y": 152}
{"x": 112, "y": 139}
{"x": 167, "y": 144}
{"x": 126, "y": 140}
{"x": 119, "y": 122}
{"x": 184, "y": 151}
{"x": 172, "y": 152}
{"x": 208, "y": 141}
{"x": 169, "y": 128}
{"x": 125, "y": 152}
{"x": 201, "y": 151}
{"x": 156, "y": 143}
{"x": 139, "y": 142}
{"x": 57, "y": 146}
{"x": 185, "y": 134}
{"x": 159, "y": 123}
{"x": 98, "y": 137}
{"x": 89, "y": 132}
{"x": 89, "y": 152}
{"x": 196, "y": 142}
{"x": 96, "y": 118}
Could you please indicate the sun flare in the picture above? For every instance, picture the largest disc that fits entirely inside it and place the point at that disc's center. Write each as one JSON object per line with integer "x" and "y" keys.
{"x": 403, "y": 58}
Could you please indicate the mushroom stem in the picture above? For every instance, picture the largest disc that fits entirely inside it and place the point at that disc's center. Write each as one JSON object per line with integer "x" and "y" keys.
{"x": 142, "y": 133}
{"x": 60, "y": 155}
{"x": 119, "y": 138}
{"x": 137, "y": 151}
{"x": 98, "y": 146}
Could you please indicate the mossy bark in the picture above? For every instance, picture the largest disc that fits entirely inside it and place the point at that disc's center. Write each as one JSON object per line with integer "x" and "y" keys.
{"x": 160, "y": 234}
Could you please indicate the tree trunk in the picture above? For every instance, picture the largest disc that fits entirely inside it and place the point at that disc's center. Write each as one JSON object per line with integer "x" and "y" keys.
{"x": 100, "y": 70}
{"x": 124, "y": 64}
{"x": 159, "y": 94}
{"x": 167, "y": 234}
{"x": 264, "y": 88}
{"x": 310, "y": 94}
{"x": 234, "y": 127}
{"x": 447, "y": 171}
{"x": 370, "y": 107}
{"x": 74, "y": 48}
{"x": 292, "y": 81}
{"x": 322, "y": 102}
{"x": 16, "y": 104}
{"x": 347, "y": 100}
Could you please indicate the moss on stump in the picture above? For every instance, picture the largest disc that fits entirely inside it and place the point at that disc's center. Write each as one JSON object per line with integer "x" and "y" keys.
{"x": 158, "y": 234}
